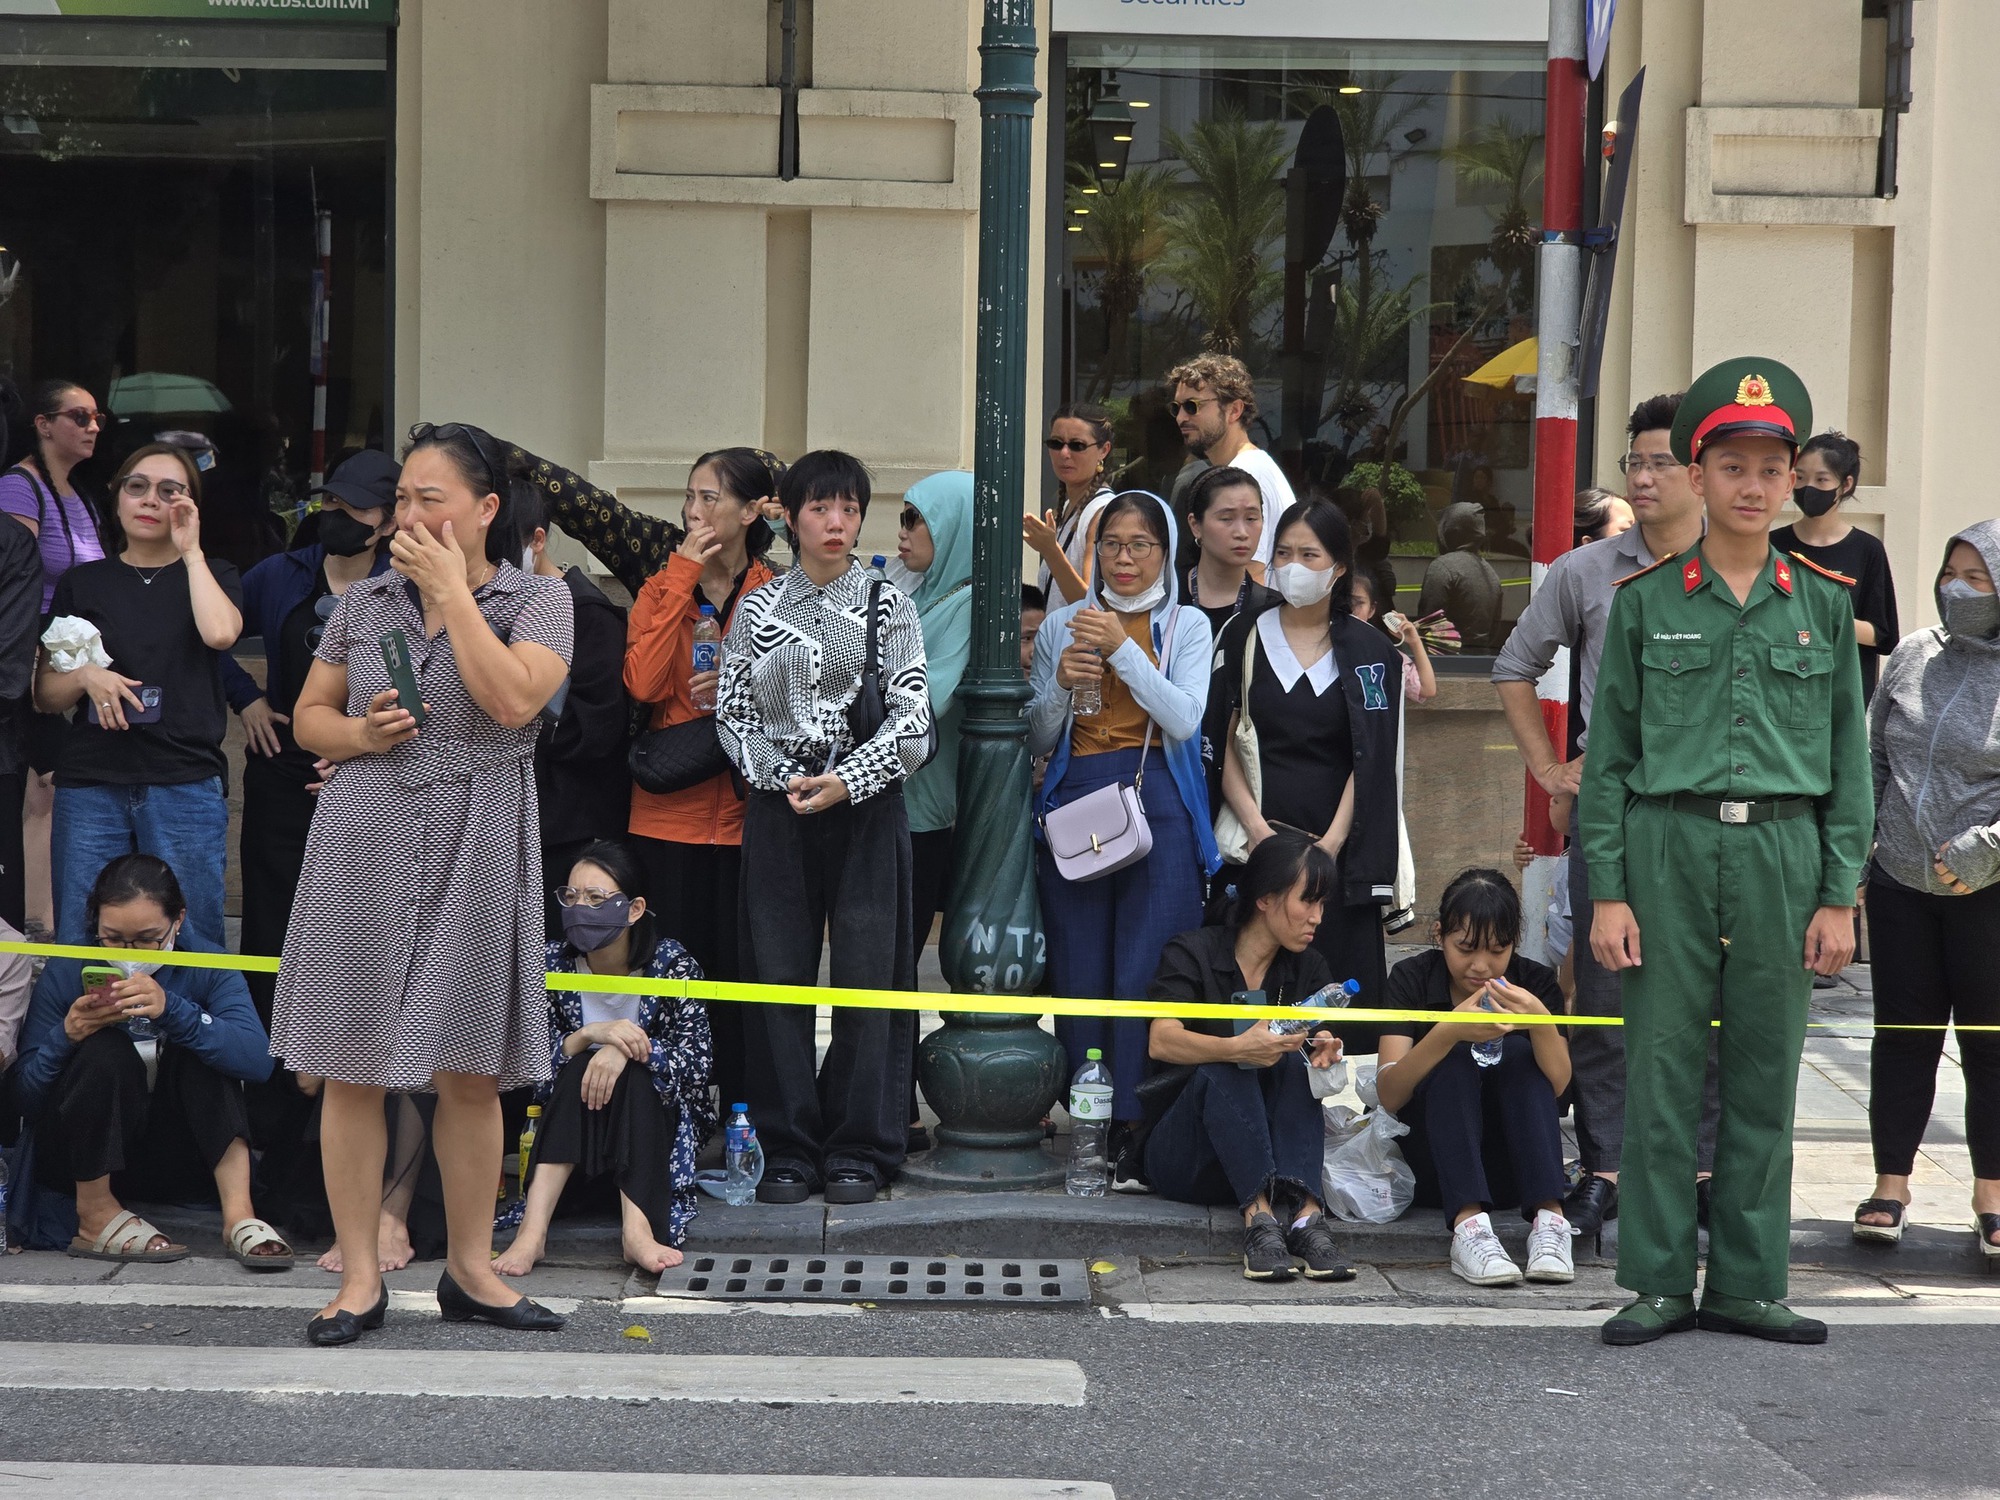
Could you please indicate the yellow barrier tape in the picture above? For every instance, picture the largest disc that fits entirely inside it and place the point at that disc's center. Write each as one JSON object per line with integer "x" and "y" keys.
{"x": 980, "y": 1005}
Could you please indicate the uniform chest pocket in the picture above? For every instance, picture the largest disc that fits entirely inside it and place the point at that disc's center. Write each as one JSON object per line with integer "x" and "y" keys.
{"x": 1676, "y": 685}
{"x": 1802, "y": 686}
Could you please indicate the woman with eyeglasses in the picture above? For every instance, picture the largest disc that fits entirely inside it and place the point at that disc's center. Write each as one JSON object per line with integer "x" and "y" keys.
{"x": 1149, "y": 659}
{"x": 60, "y": 432}
{"x": 413, "y": 962}
{"x": 104, "y": 1124}
{"x": 1079, "y": 444}
{"x": 140, "y": 766}
{"x": 629, "y": 1099}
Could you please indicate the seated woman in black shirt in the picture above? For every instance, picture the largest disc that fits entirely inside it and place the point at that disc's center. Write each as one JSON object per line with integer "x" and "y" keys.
{"x": 1484, "y": 1132}
{"x": 1246, "y": 1128}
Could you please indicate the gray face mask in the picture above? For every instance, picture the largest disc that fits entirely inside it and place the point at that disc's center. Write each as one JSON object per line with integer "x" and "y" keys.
{"x": 1967, "y": 612}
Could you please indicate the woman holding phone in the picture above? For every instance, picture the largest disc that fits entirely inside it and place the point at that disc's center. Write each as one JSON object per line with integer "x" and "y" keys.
{"x": 440, "y": 988}
{"x": 140, "y": 764}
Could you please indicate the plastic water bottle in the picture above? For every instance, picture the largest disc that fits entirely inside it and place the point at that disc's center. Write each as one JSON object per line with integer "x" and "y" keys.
{"x": 529, "y": 1131}
{"x": 1486, "y": 1054}
{"x": 1087, "y": 698}
{"x": 878, "y": 568}
{"x": 1088, "y": 1174}
{"x": 3, "y": 1205}
{"x": 743, "y": 1157}
{"x": 707, "y": 655}
{"x": 1332, "y": 996}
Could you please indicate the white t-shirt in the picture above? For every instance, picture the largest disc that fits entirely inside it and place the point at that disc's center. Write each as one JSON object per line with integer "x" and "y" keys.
{"x": 1278, "y": 496}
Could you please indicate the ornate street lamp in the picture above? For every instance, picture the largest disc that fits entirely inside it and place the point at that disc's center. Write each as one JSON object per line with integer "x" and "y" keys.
{"x": 1110, "y": 123}
{"x": 992, "y": 1079}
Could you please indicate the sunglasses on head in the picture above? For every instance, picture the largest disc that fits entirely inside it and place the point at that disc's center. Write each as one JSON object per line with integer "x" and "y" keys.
{"x": 1075, "y": 445}
{"x": 482, "y": 444}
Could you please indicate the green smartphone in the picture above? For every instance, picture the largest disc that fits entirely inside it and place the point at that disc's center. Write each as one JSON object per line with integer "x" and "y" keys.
{"x": 97, "y": 982}
{"x": 403, "y": 675}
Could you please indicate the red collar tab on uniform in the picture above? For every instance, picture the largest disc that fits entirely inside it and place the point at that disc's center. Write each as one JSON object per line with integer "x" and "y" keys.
{"x": 1691, "y": 575}
{"x": 1781, "y": 574}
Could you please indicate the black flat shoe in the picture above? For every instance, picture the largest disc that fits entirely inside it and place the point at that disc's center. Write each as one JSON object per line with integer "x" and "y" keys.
{"x": 1591, "y": 1204}
{"x": 454, "y": 1306}
{"x": 784, "y": 1185}
{"x": 850, "y": 1185}
{"x": 344, "y": 1327}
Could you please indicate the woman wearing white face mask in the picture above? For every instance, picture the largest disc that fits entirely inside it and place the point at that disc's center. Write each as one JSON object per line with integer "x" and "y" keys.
{"x": 82, "y": 1085}
{"x": 1305, "y": 711}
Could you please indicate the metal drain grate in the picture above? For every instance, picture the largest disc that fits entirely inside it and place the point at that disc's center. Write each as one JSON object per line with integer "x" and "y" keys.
{"x": 877, "y": 1278}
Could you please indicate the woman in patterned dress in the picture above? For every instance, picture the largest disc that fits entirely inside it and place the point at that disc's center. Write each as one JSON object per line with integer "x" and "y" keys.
{"x": 414, "y": 956}
{"x": 630, "y": 1096}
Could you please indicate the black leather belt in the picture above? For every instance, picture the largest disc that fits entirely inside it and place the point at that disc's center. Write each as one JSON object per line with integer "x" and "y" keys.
{"x": 1764, "y": 810}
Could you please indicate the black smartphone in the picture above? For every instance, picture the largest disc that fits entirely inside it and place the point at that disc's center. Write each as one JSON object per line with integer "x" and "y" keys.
{"x": 403, "y": 675}
{"x": 148, "y": 711}
{"x": 1247, "y": 997}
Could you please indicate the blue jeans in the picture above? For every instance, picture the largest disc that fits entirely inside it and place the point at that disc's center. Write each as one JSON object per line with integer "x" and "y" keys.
{"x": 1106, "y": 936}
{"x": 185, "y": 825}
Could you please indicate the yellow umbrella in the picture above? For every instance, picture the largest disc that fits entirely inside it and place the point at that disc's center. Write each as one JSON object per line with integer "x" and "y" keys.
{"x": 1503, "y": 368}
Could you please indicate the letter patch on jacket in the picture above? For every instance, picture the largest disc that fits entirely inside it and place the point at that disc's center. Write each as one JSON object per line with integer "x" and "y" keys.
{"x": 1372, "y": 694}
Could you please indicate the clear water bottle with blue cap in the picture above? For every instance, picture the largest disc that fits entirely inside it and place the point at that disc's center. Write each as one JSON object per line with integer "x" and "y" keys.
{"x": 878, "y": 567}
{"x": 1088, "y": 1172}
{"x": 743, "y": 1157}
{"x": 1486, "y": 1054}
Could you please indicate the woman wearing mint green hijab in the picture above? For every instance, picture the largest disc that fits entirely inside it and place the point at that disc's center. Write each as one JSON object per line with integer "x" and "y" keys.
{"x": 935, "y": 545}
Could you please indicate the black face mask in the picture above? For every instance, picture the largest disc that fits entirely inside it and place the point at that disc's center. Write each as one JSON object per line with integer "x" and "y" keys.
{"x": 1815, "y": 502}
{"x": 342, "y": 535}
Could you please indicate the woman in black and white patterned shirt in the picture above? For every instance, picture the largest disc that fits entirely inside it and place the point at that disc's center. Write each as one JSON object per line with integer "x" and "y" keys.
{"x": 826, "y": 841}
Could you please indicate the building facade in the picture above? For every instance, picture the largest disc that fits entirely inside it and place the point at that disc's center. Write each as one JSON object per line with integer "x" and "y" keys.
{"x": 623, "y": 232}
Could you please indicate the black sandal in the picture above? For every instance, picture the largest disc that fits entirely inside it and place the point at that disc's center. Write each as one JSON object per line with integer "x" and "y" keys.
{"x": 1887, "y": 1234}
{"x": 1988, "y": 1225}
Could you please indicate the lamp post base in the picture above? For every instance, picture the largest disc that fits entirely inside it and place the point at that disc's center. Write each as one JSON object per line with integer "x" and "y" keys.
{"x": 992, "y": 1077}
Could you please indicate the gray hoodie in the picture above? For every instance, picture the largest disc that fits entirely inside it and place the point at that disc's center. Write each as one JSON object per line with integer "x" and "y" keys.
{"x": 1934, "y": 736}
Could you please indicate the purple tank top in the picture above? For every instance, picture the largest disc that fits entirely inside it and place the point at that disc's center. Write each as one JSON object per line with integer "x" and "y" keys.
{"x": 68, "y": 535}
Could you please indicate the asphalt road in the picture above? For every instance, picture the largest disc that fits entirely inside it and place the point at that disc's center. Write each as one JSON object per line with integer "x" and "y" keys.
{"x": 1281, "y": 1408}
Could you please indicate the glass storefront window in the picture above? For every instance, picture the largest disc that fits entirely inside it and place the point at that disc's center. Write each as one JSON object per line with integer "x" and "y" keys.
{"x": 1429, "y": 277}
{"x": 180, "y": 206}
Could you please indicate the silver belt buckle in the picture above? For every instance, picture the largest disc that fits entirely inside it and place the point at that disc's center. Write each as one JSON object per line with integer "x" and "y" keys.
{"x": 1736, "y": 812}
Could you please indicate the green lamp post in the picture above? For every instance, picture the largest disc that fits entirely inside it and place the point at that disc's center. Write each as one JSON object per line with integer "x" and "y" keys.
{"x": 992, "y": 1078}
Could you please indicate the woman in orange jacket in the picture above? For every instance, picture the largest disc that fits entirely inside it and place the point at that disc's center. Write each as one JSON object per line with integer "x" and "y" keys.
{"x": 691, "y": 841}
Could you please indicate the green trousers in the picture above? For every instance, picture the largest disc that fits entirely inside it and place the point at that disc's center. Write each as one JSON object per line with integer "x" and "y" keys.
{"x": 1722, "y": 911}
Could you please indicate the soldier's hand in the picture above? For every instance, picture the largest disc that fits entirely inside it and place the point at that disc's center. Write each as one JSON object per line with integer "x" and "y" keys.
{"x": 1614, "y": 935}
{"x": 1830, "y": 940}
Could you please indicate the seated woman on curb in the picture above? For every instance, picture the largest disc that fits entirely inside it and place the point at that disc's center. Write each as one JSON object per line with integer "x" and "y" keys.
{"x": 1246, "y": 1128}
{"x": 81, "y": 1082}
{"x": 600, "y": 1116}
{"x": 1481, "y": 1137}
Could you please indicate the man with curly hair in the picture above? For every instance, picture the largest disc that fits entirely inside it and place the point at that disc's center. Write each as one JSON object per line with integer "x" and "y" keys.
{"x": 1214, "y": 404}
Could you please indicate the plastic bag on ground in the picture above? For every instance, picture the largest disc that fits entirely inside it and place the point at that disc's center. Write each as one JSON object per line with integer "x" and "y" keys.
{"x": 1365, "y": 1179}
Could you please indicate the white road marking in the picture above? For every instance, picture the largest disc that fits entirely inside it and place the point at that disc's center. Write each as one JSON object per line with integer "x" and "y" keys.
{"x": 487, "y": 1373}
{"x": 711, "y": 1307}
{"x": 203, "y": 1481}
{"x": 236, "y": 1298}
{"x": 1846, "y": 1316}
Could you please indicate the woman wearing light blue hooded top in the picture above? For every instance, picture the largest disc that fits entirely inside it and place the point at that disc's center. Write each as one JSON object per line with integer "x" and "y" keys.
{"x": 1151, "y": 656}
{"x": 934, "y": 546}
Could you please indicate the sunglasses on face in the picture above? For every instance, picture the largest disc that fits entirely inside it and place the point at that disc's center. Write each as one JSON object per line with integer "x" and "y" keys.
{"x": 1189, "y": 408}
{"x": 83, "y": 416}
{"x": 911, "y": 519}
{"x": 1075, "y": 445}
{"x": 139, "y": 486}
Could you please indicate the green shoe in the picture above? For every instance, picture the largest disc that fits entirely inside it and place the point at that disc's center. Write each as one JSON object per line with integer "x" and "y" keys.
{"x": 1650, "y": 1318}
{"x": 1761, "y": 1320}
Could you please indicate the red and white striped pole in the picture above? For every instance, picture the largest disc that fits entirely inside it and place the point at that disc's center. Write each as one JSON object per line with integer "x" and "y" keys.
{"x": 322, "y": 328}
{"x": 1559, "y": 300}
{"x": 1558, "y": 331}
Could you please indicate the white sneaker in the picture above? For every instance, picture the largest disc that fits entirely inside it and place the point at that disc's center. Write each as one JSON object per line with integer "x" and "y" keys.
{"x": 1478, "y": 1256}
{"x": 1549, "y": 1256}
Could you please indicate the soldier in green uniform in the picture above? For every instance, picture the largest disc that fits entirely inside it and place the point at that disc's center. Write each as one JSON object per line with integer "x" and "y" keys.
{"x": 1726, "y": 813}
